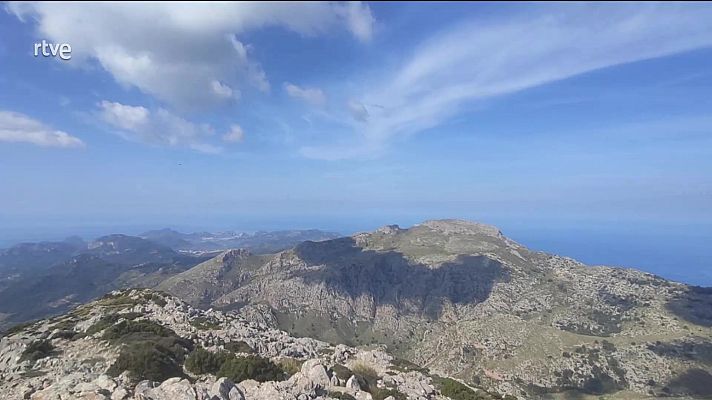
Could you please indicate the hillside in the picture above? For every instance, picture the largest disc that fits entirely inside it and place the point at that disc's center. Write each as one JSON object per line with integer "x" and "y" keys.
{"x": 146, "y": 345}
{"x": 464, "y": 300}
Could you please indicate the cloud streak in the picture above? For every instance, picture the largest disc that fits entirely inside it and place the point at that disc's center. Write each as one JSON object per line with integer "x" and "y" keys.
{"x": 19, "y": 128}
{"x": 476, "y": 61}
{"x": 312, "y": 96}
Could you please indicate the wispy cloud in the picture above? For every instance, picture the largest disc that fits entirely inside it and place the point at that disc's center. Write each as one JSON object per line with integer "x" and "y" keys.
{"x": 187, "y": 54}
{"x": 19, "y": 128}
{"x": 159, "y": 127}
{"x": 234, "y": 135}
{"x": 479, "y": 60}
{"x": 313, "y": 96}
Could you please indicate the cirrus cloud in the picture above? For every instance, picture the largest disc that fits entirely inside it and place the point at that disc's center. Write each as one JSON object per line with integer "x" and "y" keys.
{"x": 477, "y": 60}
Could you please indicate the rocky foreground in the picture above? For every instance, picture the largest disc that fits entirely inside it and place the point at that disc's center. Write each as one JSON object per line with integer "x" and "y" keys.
{"x": 142, "y": 344}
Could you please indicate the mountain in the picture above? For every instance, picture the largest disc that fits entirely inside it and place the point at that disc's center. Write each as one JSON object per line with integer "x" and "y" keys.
{"x": 141, "y": 344}
{"x": 30, "y": 258}
{"x": 466, "y": 301}
{"x": 78, "y": 275}
{"x": 261, "y": 242}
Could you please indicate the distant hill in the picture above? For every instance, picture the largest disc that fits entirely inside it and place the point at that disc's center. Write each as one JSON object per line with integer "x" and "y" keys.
{"x": 46, "y": 278}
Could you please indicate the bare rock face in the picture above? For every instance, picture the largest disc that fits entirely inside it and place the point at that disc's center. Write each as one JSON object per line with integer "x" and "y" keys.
{"x": 223, "y": 389}
{"x": 316, "y": 373}
{"x": 353, "y": 384}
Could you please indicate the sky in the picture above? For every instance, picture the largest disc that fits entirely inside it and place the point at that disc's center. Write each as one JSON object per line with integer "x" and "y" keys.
{"x": 552, "y": 121}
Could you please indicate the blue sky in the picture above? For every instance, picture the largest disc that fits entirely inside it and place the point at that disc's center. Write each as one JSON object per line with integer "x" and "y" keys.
{"x": 353, "y": 115}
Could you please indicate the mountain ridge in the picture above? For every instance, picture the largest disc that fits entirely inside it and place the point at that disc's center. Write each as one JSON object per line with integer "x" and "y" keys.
{"x": 465, "y": 299}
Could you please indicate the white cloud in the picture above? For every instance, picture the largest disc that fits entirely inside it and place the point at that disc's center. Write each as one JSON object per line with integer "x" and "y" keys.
{"x": 358, "y": 111}
{"x": 187, "y": 54}
{"x": 312, "y": 96}
{"x": 159, "y": 127}
{"x": 222, "y": 90}
{"x": 360, "y": 20}
{"x": 479, "y": 60}
{"x": 19, "y": 128}
{"x": 235, "y": 135}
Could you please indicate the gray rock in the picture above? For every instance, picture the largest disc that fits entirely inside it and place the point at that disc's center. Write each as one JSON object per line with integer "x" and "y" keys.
{"x": 352, "y": 383}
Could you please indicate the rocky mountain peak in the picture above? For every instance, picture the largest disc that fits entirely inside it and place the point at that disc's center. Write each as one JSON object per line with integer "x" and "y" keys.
{"x": 389, "y": 229}
{"x": 229, "y": 256}
{"x": 456, "y": 226}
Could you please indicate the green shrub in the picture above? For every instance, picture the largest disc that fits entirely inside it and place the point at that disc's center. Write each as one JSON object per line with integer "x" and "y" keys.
{"x": 65, "y": 335}
{"x": 147, "y": 360}
{"x": 202, "y": 361}
{"x": 290, "y": 365}
{"x": 37, "y": 350}
{"x": 239, "y": 347}
{"x": 458, "y": 391}
{"x": 129, "y": 328}
{"x": 64, "y": 325}
{"x": 204, "y": 324}
{"x": 238, "y": 369}
{"x": 150, "y": 351}
{"x": 117, "y": 300}
{"x": 104, "y": 322}
{"x": 382, "y": 393}
{"x": 159, "y": 300}
{"x": 365, "y": 371}
{"x": 341, "y": 396}
{"x": 341, "y": 371}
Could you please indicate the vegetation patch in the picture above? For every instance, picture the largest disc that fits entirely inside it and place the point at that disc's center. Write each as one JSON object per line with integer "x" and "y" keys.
{"x": 290, "y": 366}
{"x": 147, "y": 360}
{"x": 202, "y": 361}
{"x": 159, "y": 300}
{"x": 238, "y": 369}
{"x": 37, "y": 350}
{"x": 103, "y": 323}
{"x": 150, "y": 350}
{"x": 341, "y": 395}
{"x": 204, "y": 324}
{"x": 129, "y": 330}
{"x": 459, "y": 391}
{"x": 341, "y": 371}
{"x": 118, "y": 300}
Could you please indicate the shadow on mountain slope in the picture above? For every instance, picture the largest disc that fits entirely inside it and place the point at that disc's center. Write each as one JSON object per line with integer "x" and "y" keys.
{"x": 694, "y": 382}
{"x": 689, "y": 350}
{"x": 389, "y": 278}
{"x": 694, "y": 306}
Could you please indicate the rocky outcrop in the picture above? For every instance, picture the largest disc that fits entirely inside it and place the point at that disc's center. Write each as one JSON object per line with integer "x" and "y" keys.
{"x": 79, "y": 351}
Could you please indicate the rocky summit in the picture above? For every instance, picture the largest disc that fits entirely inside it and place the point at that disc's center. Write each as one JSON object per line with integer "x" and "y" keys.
{"x": 464, "y": 300}
{"x": 145, "y": 345}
